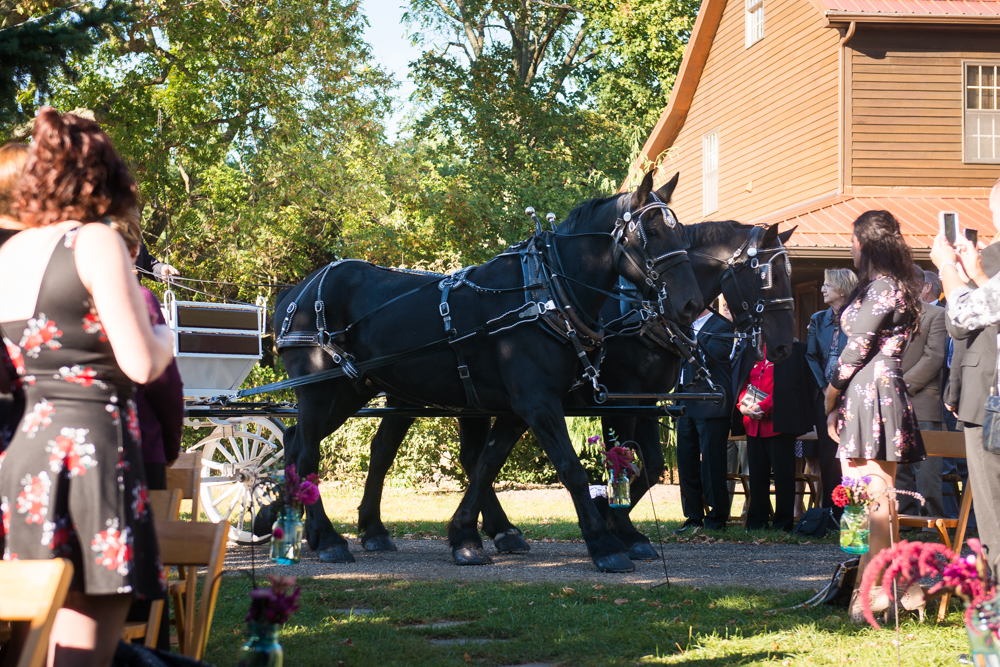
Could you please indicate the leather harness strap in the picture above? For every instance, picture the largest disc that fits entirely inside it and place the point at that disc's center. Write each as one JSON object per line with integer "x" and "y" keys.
{"x": 456, "y": 280}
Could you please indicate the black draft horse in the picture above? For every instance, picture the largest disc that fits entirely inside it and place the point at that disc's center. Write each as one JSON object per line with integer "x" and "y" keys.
{"x": 384, "y": 328}
{"x": 633, "y": 363}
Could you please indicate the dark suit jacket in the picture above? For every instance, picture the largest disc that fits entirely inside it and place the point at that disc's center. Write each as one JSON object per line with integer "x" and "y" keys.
{"x": 922, "y": 362}
{"x": 795, "y": 391}
{"x": 974, "y": 359}
{"x": 715, "y": 344}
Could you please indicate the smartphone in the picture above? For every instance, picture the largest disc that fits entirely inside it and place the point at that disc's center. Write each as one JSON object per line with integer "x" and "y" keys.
{"x": 972, "y": 235}
{"x": 949, "y": 225}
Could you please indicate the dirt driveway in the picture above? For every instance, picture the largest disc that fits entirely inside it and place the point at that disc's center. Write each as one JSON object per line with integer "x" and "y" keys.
{"x": 780, "y": 566}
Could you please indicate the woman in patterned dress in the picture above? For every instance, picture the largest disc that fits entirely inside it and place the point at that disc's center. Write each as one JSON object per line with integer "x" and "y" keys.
{"x": 71, "y": 481}
{"x": 868, "y": 407}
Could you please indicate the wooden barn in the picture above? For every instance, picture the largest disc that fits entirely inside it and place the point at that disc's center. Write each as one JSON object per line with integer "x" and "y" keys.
{"x": 808, "y": 112}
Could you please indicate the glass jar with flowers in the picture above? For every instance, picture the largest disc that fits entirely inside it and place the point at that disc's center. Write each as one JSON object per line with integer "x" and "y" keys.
{"x": 286, "y": 533}
{"x": 622, "y": 466}
{"x": 270, "y": 608}
{"x": 906, "y": 563}
{"x": 854, "y": 496}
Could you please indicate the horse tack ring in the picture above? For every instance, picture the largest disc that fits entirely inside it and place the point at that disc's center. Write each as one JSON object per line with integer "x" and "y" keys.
{"x": 626, "y": 216}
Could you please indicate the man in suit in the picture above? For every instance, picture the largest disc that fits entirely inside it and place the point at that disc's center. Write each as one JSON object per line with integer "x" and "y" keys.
{"x": 703, "y": 434}
{"x": 972, "y": 367}
{"x": 922, "y": 365}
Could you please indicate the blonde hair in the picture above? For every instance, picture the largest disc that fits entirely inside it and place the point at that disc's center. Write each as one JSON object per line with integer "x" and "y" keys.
{"x": 842, "y": 280}
{"x": 12, "y": 159}
{"x": 130, "y": 228}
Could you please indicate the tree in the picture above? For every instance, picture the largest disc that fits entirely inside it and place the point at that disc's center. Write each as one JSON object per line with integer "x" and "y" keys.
{"x": 254, "y": 130}
{"x": 522, "y": 104}
{"x": 39, "y": 38}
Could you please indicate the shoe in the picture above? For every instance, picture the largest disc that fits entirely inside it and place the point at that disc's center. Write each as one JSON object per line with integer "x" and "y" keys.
{"x": 878, "y": 601}
{"x": 913, "y": 600}
{"x": 687, "y": 526}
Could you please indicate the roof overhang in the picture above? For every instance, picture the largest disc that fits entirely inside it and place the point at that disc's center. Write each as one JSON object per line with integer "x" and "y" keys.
{"x": 842, "y": 18}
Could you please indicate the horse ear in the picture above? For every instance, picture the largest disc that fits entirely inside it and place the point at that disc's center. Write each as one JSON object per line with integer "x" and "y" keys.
{"x": 666, "y": 191}
{"x": 770, "y": 236}
{"x": 641, "y": 194}
{"x": 784, "y": 236}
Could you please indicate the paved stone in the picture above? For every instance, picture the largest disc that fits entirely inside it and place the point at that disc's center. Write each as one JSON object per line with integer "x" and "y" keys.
{"x": 462, "y": 640}
{"x": 357, "y": 611}
{"x": 436, "y": 626}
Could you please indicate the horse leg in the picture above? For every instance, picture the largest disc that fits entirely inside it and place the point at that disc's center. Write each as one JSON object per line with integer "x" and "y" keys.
{"x": 474, "y": 433}
{"x": 549, "y": 426}
{"x": 323, "y": 408}
{"x": 463, "y": 535}
{"x": 385, "y": 446}
{"x": 646, "y": 435}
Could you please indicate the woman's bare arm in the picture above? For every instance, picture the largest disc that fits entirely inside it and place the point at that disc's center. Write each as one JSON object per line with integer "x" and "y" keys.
{"x": 104, "y": 266}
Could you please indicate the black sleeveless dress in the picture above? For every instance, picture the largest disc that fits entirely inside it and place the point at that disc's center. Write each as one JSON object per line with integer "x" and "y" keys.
{"x": 71, "y": 481}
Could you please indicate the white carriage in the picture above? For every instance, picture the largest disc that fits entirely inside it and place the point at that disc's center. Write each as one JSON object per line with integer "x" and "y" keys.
{"x": 216, "y": 346}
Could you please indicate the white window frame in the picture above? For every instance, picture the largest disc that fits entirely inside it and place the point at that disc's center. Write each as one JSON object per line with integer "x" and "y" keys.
{"x": 710, "y": 172}
{"x": 978, "y": 124}
{"x": 754, "y": 22}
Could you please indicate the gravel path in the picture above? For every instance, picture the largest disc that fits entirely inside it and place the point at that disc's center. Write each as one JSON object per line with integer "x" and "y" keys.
{"x": 780, "y": 566}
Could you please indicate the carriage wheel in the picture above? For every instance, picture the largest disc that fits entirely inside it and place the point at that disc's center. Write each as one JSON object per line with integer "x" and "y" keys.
{"x": 234, "y": 459}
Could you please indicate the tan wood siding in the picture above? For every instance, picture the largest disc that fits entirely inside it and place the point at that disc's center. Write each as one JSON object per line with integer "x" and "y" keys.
{"x": 775, "y": 106}
{"x": 906, "y": 107}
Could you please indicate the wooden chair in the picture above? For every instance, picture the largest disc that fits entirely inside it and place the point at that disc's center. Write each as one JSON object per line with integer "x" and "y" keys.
{"x": 34, "y": 590}
{"x": 194, "y": 545}
{"x": 952, "y": 444}
{"x": 185, "y": 474}
{"x": 164, "y": 505}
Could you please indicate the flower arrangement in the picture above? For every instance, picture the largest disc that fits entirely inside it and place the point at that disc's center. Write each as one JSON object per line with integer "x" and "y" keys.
{"x": 276, "y": 604}
{"x": 297, "y": 492}
{"x": 853, "y": 492}
{"x": 286, "y": 533}
{"x": 909, "y": 562}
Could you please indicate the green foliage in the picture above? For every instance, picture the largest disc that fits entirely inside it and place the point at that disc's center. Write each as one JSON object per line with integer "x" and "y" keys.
{"x": 41, "y": 38}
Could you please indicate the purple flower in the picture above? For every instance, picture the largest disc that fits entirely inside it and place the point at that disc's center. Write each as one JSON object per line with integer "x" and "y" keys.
{"x": 274, "y": 604}
{"x": 308, "y": 493}
{"x": 594, "y": 439}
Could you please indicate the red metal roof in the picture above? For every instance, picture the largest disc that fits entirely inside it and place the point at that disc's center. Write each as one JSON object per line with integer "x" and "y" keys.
{"x": 923, "y": 7}
{"x": 827, "y": 223}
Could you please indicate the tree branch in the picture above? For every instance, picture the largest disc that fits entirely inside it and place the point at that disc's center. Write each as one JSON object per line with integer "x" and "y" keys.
{"x": 569, "y": 8}
{"x": 450, "y": 14}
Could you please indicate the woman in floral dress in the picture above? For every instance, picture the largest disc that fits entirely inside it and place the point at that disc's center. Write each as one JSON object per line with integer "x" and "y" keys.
{"x": 869, "y": 409}
{"x": 71, "y": 481}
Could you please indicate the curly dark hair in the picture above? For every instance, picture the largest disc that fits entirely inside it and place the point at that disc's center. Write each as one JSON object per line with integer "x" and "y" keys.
{"x": 73, "y": 173}
{"x": 883, "y": 250}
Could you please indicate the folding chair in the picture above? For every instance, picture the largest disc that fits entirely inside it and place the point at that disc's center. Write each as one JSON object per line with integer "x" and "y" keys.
{"x": 34, "y": 590}
{"x": 164, "y": 505}
{"x": 185, "y": 474}
{"x": 194, "y": 545}
{"x": 942, "y": 443}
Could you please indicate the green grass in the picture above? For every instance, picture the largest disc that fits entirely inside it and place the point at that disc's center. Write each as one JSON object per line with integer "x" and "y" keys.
{"x": 580, "y": 624}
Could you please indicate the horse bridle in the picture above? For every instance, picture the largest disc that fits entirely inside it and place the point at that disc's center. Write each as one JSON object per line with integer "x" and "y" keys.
{"x": 628, "y": 227}
{"x": 749, "y": 312}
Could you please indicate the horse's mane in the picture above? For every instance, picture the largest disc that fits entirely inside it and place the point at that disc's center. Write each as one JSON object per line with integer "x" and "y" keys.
{"x": 714, "y": 232}
{"x": 582, "y": 212}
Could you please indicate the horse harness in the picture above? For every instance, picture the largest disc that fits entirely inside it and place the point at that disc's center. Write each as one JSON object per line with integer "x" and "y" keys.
{"x": 547, "y": 300}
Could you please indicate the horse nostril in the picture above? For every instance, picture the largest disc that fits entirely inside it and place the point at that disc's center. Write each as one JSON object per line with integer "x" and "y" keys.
{"x": 781, "y": 351}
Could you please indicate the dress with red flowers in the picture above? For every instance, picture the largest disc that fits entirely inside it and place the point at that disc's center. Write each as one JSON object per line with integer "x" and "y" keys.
{"x": 876, "y": 417}
{"x": 72, "y": 481}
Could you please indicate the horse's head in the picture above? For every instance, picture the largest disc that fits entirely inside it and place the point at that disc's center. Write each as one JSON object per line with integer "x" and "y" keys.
{"x": 762, "y": 292}
{"x": 651, "y": 251}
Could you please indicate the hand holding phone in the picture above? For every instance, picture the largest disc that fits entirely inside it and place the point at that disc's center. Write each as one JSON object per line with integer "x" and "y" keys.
{"x": 948, "y": 221}
{"x": 973, "y": 236}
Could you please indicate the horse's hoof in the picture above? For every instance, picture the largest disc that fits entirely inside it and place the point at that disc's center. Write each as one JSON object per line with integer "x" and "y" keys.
{"x": 379, "y": 543}
{"x": 510, "y": 542}
{"x": 467, "y": 556}
{"x": 642, "y": 551}
{"x": 337, "y": 554}
{"x": 618, "y": 562}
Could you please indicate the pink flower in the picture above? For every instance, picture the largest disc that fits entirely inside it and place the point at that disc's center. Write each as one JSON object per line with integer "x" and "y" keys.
{"x": 308, "y": 493}
{"x": 277, "y": 533}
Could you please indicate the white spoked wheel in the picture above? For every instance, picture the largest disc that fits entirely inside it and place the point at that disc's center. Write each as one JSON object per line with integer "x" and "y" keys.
{"x": 234, "y": 460}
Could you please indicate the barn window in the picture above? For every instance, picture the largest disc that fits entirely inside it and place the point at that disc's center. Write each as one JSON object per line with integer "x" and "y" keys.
{"x": 982, "y": 113}
{"x": 754, "y": 22}
{"x": 710, "y": 173}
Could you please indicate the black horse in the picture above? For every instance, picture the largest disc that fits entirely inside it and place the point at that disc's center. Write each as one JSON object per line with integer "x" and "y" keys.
{"x": 478, "y": 338}
{"x": 639, "y": 359}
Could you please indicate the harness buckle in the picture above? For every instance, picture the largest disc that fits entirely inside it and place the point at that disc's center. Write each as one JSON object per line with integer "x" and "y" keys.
{"x": 318, "y": 306}
{"x": 760, "y": 307}
{"x": 444, "y": 309}
{"x": 463, "y": 372}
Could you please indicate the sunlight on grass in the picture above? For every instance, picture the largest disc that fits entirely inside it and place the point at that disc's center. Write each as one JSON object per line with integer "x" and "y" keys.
{"x": 503, "y": 623}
